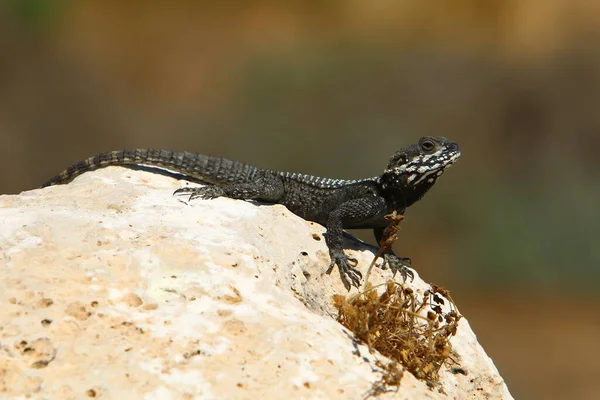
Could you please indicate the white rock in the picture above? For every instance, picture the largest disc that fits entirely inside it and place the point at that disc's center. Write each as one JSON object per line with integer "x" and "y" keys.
{"x": 113, "y": 288}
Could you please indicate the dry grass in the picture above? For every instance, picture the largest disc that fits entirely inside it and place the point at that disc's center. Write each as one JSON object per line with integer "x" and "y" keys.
{"x": 412, "y": 331}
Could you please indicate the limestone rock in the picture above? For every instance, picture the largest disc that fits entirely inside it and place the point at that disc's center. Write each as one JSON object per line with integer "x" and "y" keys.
{"x": 113, "y": 288}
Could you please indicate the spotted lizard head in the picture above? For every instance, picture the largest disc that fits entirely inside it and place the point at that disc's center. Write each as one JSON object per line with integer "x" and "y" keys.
{"x": 417, "y": 167}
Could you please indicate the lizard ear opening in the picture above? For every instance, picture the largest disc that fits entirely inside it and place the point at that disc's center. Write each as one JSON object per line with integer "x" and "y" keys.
{"x": 399, "y": 158}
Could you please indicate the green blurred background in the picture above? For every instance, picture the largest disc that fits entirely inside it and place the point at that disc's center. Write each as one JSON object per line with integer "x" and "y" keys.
{"x": 332, "y": 88}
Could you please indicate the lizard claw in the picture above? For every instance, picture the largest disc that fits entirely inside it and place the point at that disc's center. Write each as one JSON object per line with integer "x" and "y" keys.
{"x": 350, "y": 276}
{"x": 353, "y": 262}
{"x": 398, "y": 265}
{"x": 204, "y": 192}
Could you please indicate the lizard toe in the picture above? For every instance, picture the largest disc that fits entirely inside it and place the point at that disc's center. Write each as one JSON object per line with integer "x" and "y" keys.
{"x": 204, "y": 193}
{"x": 346, "y": 265}
{"x": 399, "y": 265}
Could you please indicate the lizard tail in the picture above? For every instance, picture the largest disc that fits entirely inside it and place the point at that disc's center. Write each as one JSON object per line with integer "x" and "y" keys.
{"x": 213, "y": 170}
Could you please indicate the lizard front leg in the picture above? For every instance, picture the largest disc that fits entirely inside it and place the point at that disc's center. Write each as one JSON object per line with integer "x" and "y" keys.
{"x": 356, "y": 210}
{"x": 265, "y": 188}
{"x": 397, "y": 264}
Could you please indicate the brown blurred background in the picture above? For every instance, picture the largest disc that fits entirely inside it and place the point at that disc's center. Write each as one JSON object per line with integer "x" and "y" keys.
{"x": 333, "y": 88}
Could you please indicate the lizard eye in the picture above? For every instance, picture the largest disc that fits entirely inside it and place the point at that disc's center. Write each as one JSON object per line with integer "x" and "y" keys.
{"x": 427, "y": 145}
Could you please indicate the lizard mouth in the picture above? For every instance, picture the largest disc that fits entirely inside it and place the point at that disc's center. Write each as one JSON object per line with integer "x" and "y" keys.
{"x": 453, "y": 158}
{"x": 431, "y": 168}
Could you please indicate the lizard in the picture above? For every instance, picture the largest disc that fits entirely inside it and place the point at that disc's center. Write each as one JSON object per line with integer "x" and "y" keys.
{"x": 337, "y": 204}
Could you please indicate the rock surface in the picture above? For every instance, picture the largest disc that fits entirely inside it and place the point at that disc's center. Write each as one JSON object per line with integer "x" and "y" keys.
{"x": 112, "y": 288}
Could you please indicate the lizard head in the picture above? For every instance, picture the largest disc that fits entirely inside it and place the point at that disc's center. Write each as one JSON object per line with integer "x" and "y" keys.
{"x": 417, "y": 167}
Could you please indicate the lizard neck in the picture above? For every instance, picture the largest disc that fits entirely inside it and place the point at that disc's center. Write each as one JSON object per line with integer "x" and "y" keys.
{"x": 401, "y": 194}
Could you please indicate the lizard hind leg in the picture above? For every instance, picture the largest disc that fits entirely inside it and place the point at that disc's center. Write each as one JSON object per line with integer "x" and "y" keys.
{"x": 201, "y": 192}
{"x": 269, "y": 189}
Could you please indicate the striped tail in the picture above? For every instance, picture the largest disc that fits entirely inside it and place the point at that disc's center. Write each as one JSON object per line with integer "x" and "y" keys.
{"x": 213, "y": 170}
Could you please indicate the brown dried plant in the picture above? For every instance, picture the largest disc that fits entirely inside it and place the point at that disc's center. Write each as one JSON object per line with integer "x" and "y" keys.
{"x": 412, "y": 331}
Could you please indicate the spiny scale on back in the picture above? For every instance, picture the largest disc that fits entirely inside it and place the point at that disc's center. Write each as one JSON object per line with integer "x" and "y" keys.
{"x": 334, "y": 203}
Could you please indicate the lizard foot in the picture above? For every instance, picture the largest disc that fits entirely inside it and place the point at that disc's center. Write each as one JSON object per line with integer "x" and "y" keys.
{"x": 398, "y": 265}
{"x": 350, "y": 275}
{"x": 204, "y": 192}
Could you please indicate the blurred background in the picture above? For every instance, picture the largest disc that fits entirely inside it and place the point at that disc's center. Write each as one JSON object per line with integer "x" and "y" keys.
{"x": 333, "y": 88}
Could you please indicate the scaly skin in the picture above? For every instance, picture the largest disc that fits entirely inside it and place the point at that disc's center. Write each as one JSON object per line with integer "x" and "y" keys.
{"x": 335, "y": 203}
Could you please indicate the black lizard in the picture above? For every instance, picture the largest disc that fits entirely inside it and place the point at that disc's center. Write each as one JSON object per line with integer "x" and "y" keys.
{"x": 335, "y": 203}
